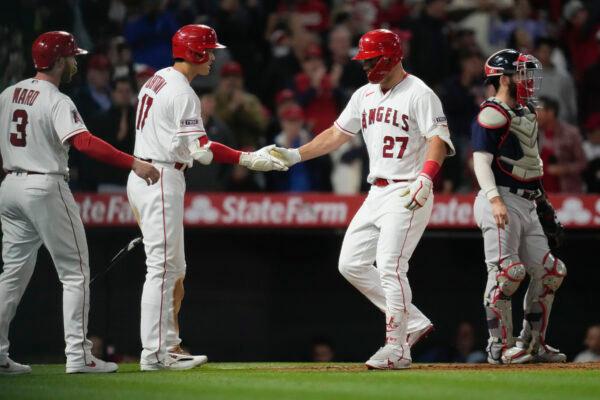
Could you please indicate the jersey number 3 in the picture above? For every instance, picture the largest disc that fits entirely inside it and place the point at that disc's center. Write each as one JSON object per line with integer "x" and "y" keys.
{"x": 18, "y": 139}
{"x": 389, "y": 143}
{"x": 142, "y": 111}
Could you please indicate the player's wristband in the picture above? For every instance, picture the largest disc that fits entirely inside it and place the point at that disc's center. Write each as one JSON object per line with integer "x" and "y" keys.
{"x": 223, "y": 154}
{"x": 431, "y": 169}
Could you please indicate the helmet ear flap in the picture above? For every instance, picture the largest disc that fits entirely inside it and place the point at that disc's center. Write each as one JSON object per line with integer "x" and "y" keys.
{"x": 197, "y": 57}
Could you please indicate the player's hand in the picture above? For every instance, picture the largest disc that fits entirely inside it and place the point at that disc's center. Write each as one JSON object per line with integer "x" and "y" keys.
{"x": 146, "y": 171}
{"x": 262, "y": 160}
{"x": 202, "y": 154}
{"x": 416, "y": 194}
{"x": 499, "y": 212}
{"x": 288, "y": 156}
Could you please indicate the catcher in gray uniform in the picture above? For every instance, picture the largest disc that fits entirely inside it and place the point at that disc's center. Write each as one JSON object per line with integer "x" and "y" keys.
{"x": 518, "y": 223}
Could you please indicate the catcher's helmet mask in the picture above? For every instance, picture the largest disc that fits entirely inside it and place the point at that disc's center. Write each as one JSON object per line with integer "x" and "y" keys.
{"x": 524, "y": 68}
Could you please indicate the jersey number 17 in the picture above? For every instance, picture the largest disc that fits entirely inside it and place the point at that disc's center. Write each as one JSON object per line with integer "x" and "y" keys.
{"x": 142, "y": 111}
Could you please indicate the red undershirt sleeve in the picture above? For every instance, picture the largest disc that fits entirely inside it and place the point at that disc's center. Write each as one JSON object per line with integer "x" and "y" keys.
{"x": 223, "y": 154}
{"x": 98, "y": 149}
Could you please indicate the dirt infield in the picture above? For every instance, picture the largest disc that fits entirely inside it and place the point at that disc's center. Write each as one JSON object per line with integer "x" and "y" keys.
{"x": 440, "y": 367}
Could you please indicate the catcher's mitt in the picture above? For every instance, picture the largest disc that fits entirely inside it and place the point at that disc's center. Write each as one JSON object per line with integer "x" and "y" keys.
{"x": 552, "y": 227}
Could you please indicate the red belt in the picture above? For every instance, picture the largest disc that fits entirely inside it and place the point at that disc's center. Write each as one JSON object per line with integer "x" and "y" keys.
{"x": 384, "y": 182}
{"x": 179, "y": 166}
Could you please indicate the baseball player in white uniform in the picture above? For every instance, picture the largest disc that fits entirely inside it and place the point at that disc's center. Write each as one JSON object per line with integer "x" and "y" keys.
{"x": 170, "y": 134}
{"x": 39, "y": 123}
{"x": 407, "y": 138}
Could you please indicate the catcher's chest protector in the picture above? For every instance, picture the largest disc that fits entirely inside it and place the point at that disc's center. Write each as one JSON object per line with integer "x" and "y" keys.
{"x": 525, "y": 163}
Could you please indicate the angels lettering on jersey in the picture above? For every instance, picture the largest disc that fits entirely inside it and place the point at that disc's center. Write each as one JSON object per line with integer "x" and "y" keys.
{"x": 395, "y": 126}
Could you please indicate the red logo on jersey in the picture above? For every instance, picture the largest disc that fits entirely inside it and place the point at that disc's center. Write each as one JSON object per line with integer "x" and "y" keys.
{"x": 387, "y": 115}
{"x": 76, "y": 117}
{"x": 368, "y": 94}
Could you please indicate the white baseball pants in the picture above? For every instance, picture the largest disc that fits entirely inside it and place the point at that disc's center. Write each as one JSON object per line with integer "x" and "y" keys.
{"x": 385, "y": 232}
{"x": 159, "y": 210}
{"x": 36, "y": 210}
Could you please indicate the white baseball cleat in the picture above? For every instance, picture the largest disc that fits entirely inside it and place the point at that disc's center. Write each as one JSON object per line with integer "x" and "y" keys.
{"x": 11, "y": 367}
{"x": 415, "y": 337}
{"x": 390, "y": 357}
{"x": 94, "y": 366}
{"x": 202, "y": 359}
{"x": 517, "y": 354}
{"x": 181, "y": 363}
{"x": 548, "y": 354}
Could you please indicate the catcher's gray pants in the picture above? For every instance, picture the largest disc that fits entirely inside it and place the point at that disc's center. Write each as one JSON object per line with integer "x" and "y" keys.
{"x": 36, "y": 210}
{"x": 522, "y": 240}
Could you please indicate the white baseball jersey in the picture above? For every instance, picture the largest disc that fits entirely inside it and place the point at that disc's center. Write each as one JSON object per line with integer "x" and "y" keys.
{"x": 167, "y": 118}
{"x": 36, "y": 121}
{"x": 395, "y": 126}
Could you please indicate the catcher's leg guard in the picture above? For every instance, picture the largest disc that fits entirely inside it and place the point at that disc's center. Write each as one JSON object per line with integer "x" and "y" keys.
{"x": 503, "y": 280}
{"x": 545, "y": 280}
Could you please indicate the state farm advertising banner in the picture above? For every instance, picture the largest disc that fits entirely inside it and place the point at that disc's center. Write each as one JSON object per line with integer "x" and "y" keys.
{"x": 205, "y": 210}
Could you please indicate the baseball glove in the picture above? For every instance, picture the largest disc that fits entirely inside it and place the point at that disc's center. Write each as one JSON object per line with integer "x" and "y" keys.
{"x": 552, "y": 227}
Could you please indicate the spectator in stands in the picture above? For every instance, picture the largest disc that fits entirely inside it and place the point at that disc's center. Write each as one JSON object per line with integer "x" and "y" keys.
{"x": 149, "y": 34}
{"x": 429, "y": 37}
{"x": 561, "y": 150}
{"x": 240, "y": 25}
{"x": 322, "y": 350}
{"x": 482, "y": 20}
{"x": 591, "y": 147}
{"x": 590, "y": 87}
{"x": 314, "y": 88}
{"x": 522, "y": 29}
{"x": 241, "y": 111}
{"x": 302, "y": 177}
{"x": 119, "y": 54}
{"x": 461, "y": 96}
{"x": 580, "y": 37}
{"x": 212, "y": 177}
{"x": 287, "y": 50}
{"x": 556, "y": 84}
{"x": 283, "y": 99}
{"x": 592, "y": 344}
{"x": 94, "y": 97}
{"x": 520, "y": 39}
{"x": 12, "y": 57}
{"x": 311, "y": 15}
{"x": 116, "y": 126}
{"x": 464, "y": 349}
{"x": 345, "y": 74}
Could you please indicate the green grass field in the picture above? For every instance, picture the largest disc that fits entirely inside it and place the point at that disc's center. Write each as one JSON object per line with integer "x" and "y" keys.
{"x": 309, "y": 381}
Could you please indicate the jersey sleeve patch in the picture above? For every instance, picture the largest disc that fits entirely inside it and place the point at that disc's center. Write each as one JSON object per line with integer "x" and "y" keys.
{"x": 492, "y": 118}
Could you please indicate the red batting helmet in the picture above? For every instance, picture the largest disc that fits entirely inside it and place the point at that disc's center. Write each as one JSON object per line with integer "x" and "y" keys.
{"x": 380, "y": 43}
{"x": 50, "y": 46}
{"x": 191, "y": 42}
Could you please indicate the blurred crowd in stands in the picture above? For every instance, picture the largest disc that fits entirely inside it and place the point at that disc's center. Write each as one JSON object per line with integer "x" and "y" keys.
{"x": 287, "y": 73}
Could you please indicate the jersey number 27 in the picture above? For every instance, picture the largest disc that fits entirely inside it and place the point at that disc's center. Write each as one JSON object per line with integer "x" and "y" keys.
{"x": 389, "y": 143}
{"x": 142, "y": 111}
